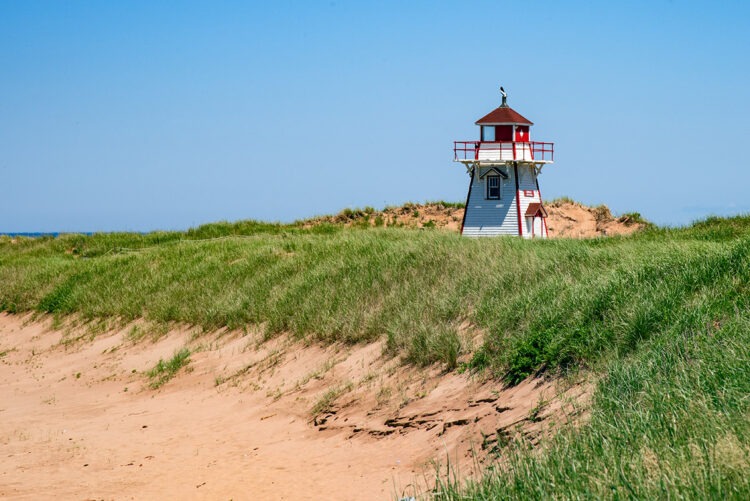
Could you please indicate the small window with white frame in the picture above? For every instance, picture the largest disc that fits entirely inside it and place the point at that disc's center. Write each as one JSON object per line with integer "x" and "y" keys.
{"x": 488, "y": 133}
{"x": 493, "y": 187}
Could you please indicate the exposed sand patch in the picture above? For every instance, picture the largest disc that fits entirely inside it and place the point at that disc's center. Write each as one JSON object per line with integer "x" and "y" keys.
{"x": 79, "y": 421}
{"x": 408, "y": 215}
{"x": 571, "y": 220}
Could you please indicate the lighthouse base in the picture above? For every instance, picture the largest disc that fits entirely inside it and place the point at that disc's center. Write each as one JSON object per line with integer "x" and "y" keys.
{"x": 504, "y": 200}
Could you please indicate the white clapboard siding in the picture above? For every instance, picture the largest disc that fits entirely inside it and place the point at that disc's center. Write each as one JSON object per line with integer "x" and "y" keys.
{"x": 527, "y": 183}
{"x": 490, "y": 151}
{"x": 504, "y": 152}
{"x": 489, "y": 218}
{"x": 523, "y": 152}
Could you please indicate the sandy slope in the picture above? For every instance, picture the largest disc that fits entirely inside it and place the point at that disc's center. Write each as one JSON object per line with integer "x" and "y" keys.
{"x": 78, "y": 421}
{"x": 570, "y": 220}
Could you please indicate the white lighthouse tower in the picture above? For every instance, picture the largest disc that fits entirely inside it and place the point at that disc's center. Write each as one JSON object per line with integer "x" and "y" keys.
{"x": 504, "y": 165}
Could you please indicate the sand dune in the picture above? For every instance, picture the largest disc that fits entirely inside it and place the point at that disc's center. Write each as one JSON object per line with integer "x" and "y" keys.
{"x": 79, "y": 421}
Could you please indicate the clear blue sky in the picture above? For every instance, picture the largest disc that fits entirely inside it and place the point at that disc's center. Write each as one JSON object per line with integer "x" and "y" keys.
{"x": 165, "y": 115}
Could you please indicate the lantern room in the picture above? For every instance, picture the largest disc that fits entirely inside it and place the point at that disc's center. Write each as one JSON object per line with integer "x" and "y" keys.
{"x": 504, "y": 136}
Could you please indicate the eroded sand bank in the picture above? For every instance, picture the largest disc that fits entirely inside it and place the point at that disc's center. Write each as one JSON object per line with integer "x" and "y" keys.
{"x": 78, "y": 420}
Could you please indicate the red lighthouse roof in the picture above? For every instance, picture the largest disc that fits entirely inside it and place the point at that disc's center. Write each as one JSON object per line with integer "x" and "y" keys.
{"x": 503, "y": 115}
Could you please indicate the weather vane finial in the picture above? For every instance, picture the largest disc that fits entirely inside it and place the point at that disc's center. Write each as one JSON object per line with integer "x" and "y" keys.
{"x": 505, "y": 97}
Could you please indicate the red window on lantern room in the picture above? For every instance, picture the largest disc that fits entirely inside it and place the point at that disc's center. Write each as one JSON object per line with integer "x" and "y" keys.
{"x": 522, "y": 133}
{"x": 503, "y": 133}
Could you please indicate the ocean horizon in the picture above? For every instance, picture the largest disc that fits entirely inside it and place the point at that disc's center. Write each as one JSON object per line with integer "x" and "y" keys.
{"x": 40, "y": 234}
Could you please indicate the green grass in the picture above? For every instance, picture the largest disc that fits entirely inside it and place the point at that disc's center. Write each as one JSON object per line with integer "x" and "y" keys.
{"x": 446, "y": 204}
{"x": 662, "y": 317}
{"x": 560, "y": 201}
{"x": 634, "y": 218}
{"x": 164, "y": 370}
{"x": 554, "y": 304}
{"x": 670, "y": 422}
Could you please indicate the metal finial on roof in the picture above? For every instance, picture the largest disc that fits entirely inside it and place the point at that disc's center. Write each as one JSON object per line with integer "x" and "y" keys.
{"x": 505, "y": 97}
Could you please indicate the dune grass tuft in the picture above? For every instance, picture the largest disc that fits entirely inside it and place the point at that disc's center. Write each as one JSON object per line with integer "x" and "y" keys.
{"x": 164, "y": 370}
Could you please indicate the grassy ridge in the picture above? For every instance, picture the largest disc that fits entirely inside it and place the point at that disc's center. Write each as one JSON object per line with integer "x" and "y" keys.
{"x": 663, "y": 316}
{"x": 557, "y": 303}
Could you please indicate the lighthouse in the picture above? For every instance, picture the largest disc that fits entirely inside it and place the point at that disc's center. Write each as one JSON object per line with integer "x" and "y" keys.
{"x": 504, "y": 166}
